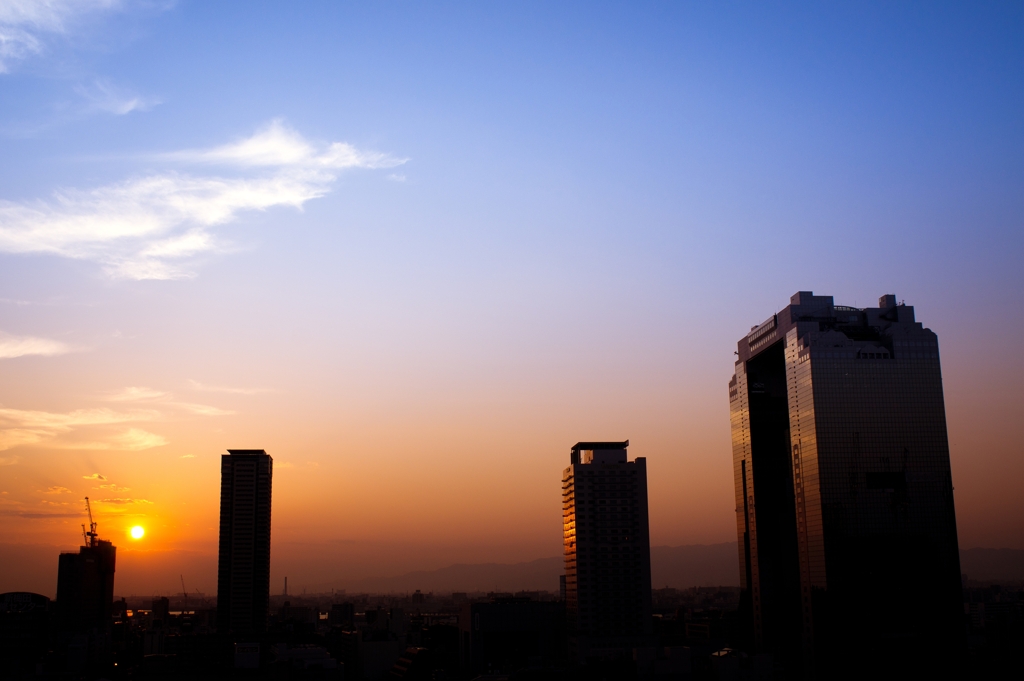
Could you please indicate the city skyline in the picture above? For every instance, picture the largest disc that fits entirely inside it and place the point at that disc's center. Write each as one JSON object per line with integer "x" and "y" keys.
{"x": 408, "y": 253}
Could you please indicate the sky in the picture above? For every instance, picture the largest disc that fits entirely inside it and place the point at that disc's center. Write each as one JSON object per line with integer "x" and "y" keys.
{"x": 416, "y": 251}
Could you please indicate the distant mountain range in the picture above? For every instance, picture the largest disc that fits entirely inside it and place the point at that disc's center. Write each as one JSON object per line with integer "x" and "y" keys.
{"x": 681, "y": 567}
{"x": 33, "y": 568}
{"x": 535, "y": 575}
{"x": 992, "y": 565}
{"x": 675, "y": 566}
{"x": 678, "y": 567}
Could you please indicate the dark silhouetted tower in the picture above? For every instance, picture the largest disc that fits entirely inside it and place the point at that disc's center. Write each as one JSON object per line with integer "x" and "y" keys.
{"x": 85, "y": 597}
{"x": 844, "y": 498}
{"x": 607, "y": 548}
{"x": 243, "y": 570}
{"x": 85, "y": 583}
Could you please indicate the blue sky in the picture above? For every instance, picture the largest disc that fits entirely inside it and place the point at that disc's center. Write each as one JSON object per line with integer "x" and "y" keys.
{"x": 590, "y": 131}
{"x": 541, "y": 220}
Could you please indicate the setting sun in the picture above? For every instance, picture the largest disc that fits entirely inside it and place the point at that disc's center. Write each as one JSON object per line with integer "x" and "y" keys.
{"x": 137, "y": 532}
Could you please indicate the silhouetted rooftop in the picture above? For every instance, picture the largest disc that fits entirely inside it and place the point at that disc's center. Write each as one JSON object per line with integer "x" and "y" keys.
{"x": 590, "y": 446}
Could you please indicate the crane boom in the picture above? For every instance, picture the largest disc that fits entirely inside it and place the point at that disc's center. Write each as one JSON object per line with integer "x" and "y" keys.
{"x": 90, "y": 536}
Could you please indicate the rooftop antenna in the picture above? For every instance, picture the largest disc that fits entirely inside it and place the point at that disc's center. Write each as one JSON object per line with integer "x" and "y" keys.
{"x": 90, "y": 536}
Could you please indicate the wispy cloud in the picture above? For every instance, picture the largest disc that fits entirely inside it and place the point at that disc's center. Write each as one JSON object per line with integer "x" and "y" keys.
{"x": 24, "y": 23}
{"x": 203, "y": 409}
{"x": 114, "y": 488}
{"x": 22, "y": 346}
{"x": 68, "y": 420}
{"x": 103, "y": 96}
{"x": 122, "y": 502}
{"x": 25, "y": 427}
{"x": 152, "y": 227}
{"x": 21, "y": 427}
{"x": 15, "y": 437}
{"x": 56, "y": 489}
{"x": 136, "y": 439}
{"x": 132, "y": 440}
{"x": 150, "y": 395}
{"x": 279, "y": 146}
{"x": 196, "y": 385}
{"x": 94, "y": 476}
{"x": 135, "y": 394}
{"x": 37, "y": 516}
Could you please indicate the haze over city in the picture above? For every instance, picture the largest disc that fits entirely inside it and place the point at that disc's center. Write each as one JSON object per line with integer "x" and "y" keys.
{"x": 416, "y": 252}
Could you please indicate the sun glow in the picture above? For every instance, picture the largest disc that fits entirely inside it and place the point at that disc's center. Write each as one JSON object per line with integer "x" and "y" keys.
{"x": 137, "y": 532}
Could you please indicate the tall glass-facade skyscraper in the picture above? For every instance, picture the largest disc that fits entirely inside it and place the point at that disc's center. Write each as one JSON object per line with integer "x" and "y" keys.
{"x": 243, "y": 569}
{"x": 607, "y": 549}
{"x": 844, "y": 497}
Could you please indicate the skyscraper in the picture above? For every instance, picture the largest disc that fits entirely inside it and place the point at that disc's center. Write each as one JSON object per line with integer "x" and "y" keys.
{"x": 844, "y": 497}
{"x": 243, "y": 570}
{"x": 607, "y": 548}
{"x": 85, "y": 584}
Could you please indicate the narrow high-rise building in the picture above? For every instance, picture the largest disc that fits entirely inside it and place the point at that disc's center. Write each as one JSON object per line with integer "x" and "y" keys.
{"x": 607, "y": 550}
{"x": 844, "y": 498}
{"x": 243, "y": 570}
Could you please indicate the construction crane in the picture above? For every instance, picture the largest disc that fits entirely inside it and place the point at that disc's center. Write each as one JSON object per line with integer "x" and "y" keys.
{"x": 90, "y": 536}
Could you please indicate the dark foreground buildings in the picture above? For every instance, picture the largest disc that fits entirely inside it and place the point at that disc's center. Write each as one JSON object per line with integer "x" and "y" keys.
{"x": 508, "y": 634}
{"x": 607, "y": 551}
{"x": 24, "y": 632}
{"x": 844, "y": 499}
{"x": 243, "y": 568}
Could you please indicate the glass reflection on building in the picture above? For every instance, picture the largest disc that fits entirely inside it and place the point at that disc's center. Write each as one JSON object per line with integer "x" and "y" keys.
{"x": 845, "y": 518}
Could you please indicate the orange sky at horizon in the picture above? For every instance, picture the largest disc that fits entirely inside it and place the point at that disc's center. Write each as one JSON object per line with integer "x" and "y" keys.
{"x": 398, "y": 471}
